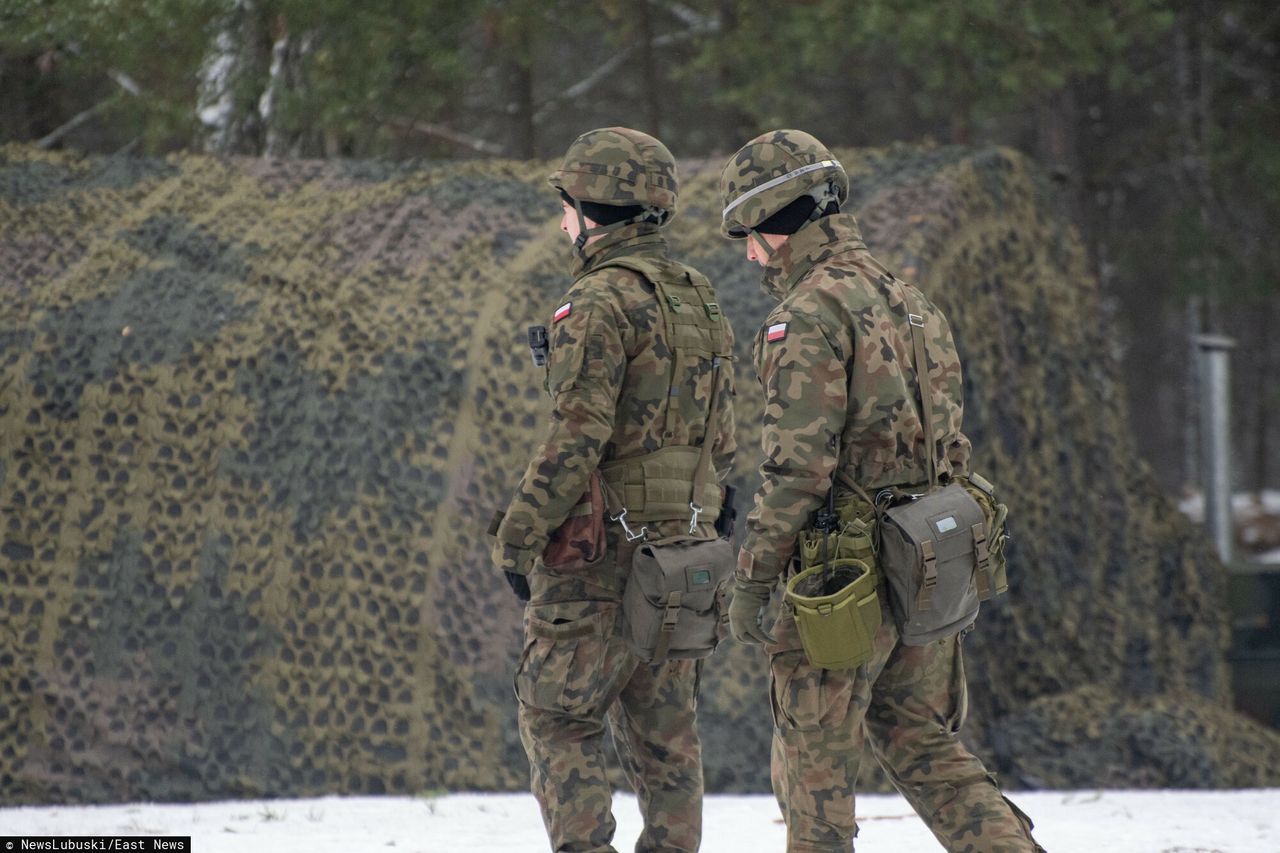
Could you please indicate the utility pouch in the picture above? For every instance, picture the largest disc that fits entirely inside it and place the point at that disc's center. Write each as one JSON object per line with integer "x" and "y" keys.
{"x": 579, "y": 543}
{"x": 930, "y": 550}
{"x": 995, "y": 580}
{"x": 837, "y": 612}
{"x": 674, "y": 604}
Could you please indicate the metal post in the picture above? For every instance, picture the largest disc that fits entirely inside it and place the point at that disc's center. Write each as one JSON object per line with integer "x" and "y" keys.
{"x": 1215, "y": 439}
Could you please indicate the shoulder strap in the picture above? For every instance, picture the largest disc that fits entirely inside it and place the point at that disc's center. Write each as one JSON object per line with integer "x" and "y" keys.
{"x": 916, "y": 322}
{"x": 708, "y": 440}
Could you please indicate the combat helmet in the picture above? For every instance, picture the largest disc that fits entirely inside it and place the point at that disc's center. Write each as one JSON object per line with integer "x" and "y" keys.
{"x": 621, "y": 167}
{"x": 769, "y": 173}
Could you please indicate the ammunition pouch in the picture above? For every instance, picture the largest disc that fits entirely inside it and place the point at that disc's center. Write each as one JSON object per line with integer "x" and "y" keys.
{"x": 579, "y": 543}
{"x": 675, "y": 602}
{"x": 995, "y": 580}
{"x": 834, "y": 597}
{"x": 932, "y": 549}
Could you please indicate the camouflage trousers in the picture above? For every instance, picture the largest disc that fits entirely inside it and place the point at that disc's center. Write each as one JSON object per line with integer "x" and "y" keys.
{"x": 911, "y": 702}
{"x": 575, "y": 677}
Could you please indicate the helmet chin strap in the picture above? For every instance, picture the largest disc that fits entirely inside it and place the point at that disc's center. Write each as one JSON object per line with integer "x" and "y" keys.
{"x": 585, "y": 233}
{"x": 761, "y": 242}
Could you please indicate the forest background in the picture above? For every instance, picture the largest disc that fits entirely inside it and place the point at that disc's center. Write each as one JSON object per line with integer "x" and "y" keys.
{"x": 1156, "y": 120}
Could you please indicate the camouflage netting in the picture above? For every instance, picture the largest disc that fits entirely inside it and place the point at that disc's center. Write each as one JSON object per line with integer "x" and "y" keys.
{"x": 254, "y": 417}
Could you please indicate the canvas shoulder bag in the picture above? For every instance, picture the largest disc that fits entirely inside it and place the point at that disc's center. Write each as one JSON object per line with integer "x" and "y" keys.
{"x": 931, "y": 543}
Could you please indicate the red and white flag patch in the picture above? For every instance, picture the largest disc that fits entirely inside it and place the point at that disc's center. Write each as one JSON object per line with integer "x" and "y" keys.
{"x": 563, "y": 311}
{"x": 776, "y": 332}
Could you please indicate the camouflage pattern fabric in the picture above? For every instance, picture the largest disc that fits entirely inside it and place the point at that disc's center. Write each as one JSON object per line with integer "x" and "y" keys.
{"x": 839, "y": 394}
{"x": 609, "y": 375}
{"x": 576, "y": 682}
{"x": 619, "y": 166}
{"x": 910, "y": 701}
{"x": 243, "y": 546}
{"x": 833, "y": 361}
{"x": 610, "y": 378}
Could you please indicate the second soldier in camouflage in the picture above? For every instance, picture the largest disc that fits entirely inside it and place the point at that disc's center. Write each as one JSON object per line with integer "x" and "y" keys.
{"x": 834, "y": 360}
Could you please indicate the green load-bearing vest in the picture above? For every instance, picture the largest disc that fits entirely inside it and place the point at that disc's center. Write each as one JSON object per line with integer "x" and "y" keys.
{"x": 659, "y": 486}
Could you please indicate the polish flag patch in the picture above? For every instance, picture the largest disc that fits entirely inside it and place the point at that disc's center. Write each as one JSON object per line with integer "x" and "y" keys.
{"x": 776, "y": 332}
{"x": 563, "y": 311}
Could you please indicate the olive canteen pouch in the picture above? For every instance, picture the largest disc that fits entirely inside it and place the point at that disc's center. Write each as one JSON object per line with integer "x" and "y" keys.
{"x": 837, "y": 612}
{"x": 674, "y": 603}
{"x": 995, "y": 581}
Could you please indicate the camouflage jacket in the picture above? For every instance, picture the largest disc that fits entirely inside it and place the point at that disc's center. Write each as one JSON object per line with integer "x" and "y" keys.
{"x": 608, "y": 375}
{"x": 834, "y": 359}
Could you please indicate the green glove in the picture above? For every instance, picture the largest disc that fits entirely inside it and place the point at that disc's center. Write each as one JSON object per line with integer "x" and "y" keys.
{"x": 750, "y": 598}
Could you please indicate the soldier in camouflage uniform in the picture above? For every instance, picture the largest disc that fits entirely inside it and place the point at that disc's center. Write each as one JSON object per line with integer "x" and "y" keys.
{"x": 615, "y": 399}
{"x": 834, "y": 359}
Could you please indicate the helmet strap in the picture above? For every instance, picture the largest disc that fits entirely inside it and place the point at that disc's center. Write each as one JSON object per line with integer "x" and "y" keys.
{"x": 823, "y": 196}
{"x": 761, "y": 242}
{"x": 649, "y": 214}
{"x": 580, "y": 242}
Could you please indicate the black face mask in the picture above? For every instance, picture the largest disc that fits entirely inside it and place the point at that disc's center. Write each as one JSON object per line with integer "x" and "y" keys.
{"x": 790, "y": 218}
{"x": 604, "y": 214}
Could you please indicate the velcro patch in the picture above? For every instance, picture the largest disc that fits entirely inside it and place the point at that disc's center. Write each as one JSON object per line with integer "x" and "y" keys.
{"x": 776, "y": 332}
{"x": 562, "y": 312}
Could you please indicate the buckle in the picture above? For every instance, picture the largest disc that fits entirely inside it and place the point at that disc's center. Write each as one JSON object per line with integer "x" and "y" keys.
{"x": 915, "y": 320}
{"x": 693, "y": 519}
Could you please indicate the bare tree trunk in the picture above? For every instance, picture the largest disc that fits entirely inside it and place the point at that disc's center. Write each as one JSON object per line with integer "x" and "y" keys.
{"x": 521, "y": 141}
{"x": 649, "y": 69}
{"x": 1057, "y": 139}
{"x": 288, "y": 78}
{"x": 230, "y": 81}
{"x": 1263, "y": 395}
{"x": 1191, "y": 424}
{"x": 1192, "y": 173}
{"x": 734, "y": 123}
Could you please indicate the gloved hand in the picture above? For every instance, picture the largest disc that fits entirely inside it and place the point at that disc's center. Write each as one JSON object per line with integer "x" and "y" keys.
{"x": 515, "y": 564}
{"x": 745, "y": 611}
{"x": 519, "y": 585}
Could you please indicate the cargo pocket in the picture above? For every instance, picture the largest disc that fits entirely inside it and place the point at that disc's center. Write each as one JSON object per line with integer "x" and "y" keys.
{"x": 563, "y": 667}
{"x": 806, "y": 698}
{"x": 958, "y": 691}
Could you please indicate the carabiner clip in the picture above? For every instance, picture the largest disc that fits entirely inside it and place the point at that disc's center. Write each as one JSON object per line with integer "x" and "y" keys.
{"x": 632, "y": 535}
{"x": 693, "y": 519}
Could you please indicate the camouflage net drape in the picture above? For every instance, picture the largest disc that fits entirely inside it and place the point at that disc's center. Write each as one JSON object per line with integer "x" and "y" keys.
{"x": 254, "y": 417}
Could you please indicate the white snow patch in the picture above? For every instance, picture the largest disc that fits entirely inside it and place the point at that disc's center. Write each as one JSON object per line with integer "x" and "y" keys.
{"x": 1066, "y": 821}
{"x": 1245, "y": 506}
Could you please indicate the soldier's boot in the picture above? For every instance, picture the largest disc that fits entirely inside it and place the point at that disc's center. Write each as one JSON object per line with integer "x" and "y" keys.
{"x": 917, "y": 708}
{"x": 654, "y": 725}
{"x": 569, "y": 779}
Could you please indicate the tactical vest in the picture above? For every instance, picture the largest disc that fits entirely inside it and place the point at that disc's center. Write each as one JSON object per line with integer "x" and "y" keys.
{"x": 659, "y": 486}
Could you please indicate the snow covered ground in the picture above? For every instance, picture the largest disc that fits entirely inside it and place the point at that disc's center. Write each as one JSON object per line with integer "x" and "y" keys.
{"x": 1256, "y": 518}
{"x": 1066, "y": 822}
